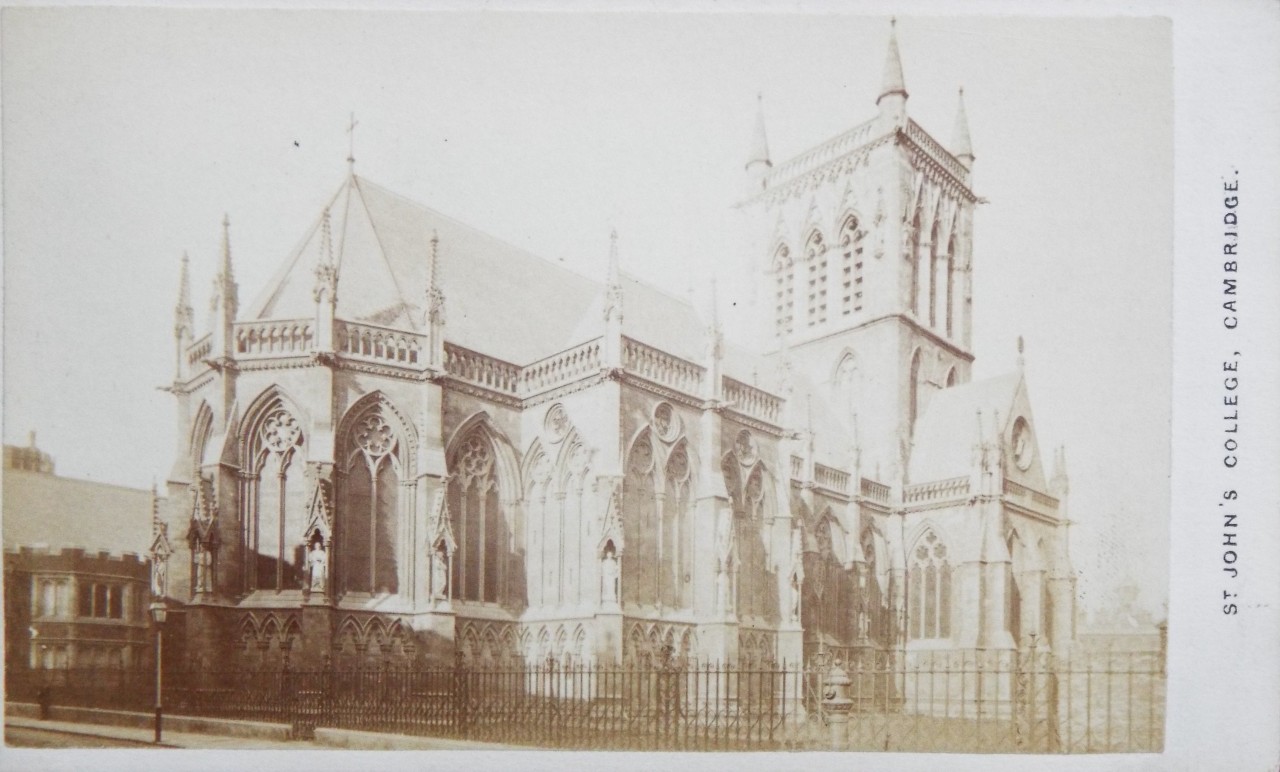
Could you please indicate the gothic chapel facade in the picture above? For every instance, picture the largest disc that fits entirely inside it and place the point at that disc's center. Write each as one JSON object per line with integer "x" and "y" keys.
{"x": 388, "y": 457}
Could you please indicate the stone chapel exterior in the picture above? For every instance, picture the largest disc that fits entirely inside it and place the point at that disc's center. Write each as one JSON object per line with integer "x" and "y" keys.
{"x": 389, "y": 457}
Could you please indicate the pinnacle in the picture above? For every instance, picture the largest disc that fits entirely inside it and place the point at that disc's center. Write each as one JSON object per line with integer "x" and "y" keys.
{"x": 893, "y": 82}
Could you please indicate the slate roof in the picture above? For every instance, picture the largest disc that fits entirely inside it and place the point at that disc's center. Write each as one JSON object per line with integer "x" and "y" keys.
{"x": 942, "y": 446}
{"x": 63, "y": 512}
{"x": 499, "y": 299}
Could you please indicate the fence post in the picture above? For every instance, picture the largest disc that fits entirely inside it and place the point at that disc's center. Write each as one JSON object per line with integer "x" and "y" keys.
{"x": 836, "y": 703}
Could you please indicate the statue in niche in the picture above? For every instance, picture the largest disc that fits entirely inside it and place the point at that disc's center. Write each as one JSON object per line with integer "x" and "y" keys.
{"x": 159, "y": 576}
{"x": 204, "y": 568}
{"x": 609, "y": 575}
{"x": 439, "y": 574}
{"x": 795, "y": 597}
{"x": 317, "y": 565}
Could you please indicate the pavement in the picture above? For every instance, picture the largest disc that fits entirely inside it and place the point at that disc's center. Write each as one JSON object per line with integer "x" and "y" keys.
{"x": 89, "y": 728}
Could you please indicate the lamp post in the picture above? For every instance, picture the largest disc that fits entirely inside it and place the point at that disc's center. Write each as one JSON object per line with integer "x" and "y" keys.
{"x": 158, "y": 612}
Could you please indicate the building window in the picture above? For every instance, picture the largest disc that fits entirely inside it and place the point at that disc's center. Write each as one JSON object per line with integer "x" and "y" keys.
{"x": 929, "y": 590}
{"x": 784, "y": 281}
{"x": 368, "y": 530}
{"x": 480, "y": 565}
{"x": 102, "y": 600}
{"x": 850, "y": 266}
{"x": 276, "y": 501}
{"x": 815, "y": 258}
{"x": 51, "y": 597}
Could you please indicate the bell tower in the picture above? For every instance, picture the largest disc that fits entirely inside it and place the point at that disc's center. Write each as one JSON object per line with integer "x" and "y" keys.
{"x": 863, "y": 263}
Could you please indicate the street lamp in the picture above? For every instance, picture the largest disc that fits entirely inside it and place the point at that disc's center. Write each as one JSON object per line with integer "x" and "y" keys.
{"x": 158, "y": 613}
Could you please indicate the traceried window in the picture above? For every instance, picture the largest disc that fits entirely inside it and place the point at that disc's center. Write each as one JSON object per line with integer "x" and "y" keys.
{"x": 480, "y": 569}
{"x": 851, "y": 273}
{"x": 815, "y": 257}
{"x": 374, "y": 460}
{"x": 276, "y": 500}
{"x": 757, "y": 595}
{"x": 929, "y": 590}
{"x": 641, "y": 578}
{"x": 784, "y": 291}
{"x": 934, "y": 257}
{"x": 951, "y": 285}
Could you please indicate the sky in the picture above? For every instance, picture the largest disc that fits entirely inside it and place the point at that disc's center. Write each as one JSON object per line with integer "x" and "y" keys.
{"x": 128, "y": 133}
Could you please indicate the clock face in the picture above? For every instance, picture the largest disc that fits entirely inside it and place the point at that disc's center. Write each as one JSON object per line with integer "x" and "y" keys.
{"x": 1023, "y": 449}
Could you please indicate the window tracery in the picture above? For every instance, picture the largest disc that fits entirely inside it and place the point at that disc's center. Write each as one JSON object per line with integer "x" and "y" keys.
{"x": 851, "y": 272}
{"x": 784, "y": 280}
{"x": 370, "y": 495}
{"x": 274, "y": 505}
{"x": 929, "y": 590}
{"x": 816, "y": 260}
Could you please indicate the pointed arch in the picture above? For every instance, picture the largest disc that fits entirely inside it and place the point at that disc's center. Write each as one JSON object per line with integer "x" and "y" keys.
{"x": 815, "y": 258}
{"x": 483, "y": 494}
{"x": 273, "y": 507}
{"x": 376, "y": 443}
{"x": 677, "y": 532}
{"x": 929, "y": 587}
{"x": 641, "y": 485}
{"x": 850, "y": 240}
{"x": 201, "y": 432}
{"x": 784, "y": 273}
{"x": 846, "y": 383}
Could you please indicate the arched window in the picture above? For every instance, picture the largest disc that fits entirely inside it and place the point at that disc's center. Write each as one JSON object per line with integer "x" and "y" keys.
{"x": 784, "y": 281}
{"x": 929, "y": 590}
{"x": 374, "y": 456}
{"x": 850, "y": 266}
{"x": 933, "y": 275}
{"x": 846, "y": 384}
{"x": 815, "y": 257}
{"x": 827, "y": 611}
{"x": 913, "y": 245}
{"x": 913, "y": 396}
{"x": 480, "y": 565}
{"x": 757, "y": 591}
{"x": 951, "y": 283}
{"x": 640, "y": 580}
{"x": 951, "y": 377}
{"x": 275, "y": 500}
{"x": 677, "y": 532}
{"x": 874, "y": 597}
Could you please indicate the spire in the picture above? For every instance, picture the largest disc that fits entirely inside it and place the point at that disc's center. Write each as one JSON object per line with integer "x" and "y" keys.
{"x": 435, "y": 304}
{"x": 351, "y": 145}
{"x": 226, "y": 276}
{"x": 961, "y": 146}
{"x": 1022, "y": 359}
{"x": 612, "y": 311}
{"x": 893, "y": 83}
{"x": 183, "y": 314}
{"x": 759, "y": 141}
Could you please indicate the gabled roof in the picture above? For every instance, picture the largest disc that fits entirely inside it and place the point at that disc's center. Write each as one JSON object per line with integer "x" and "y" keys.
{"x": 499, "y": 300}
{"x": 942, "y": 444}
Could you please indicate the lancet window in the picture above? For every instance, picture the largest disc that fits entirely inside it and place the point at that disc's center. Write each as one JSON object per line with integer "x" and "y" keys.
{"x": 784, "y": 290}
{"x": 374, "y": 453}
{"x": 851, "y": 273}
{"x": 929, "y": 590}
{"x": 815, "y": 255}
{"x": 480, "y": 570}
{"x": 275, "y": 500}
{"x": 641, "y": 581}
{"x": 757, "y": 592}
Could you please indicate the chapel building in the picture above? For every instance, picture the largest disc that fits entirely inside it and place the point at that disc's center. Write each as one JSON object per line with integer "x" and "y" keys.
{"x": 390, "y": 456}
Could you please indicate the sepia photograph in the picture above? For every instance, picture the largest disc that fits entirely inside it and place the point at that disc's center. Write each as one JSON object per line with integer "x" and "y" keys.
{"x": 495, "y": 381}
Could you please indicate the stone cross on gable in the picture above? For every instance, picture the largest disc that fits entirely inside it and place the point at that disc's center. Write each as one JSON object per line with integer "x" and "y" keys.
{"x": 351, "y": 140}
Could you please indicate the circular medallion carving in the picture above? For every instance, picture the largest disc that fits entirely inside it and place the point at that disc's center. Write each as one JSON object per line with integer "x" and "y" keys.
{"x": 557, "y": 423}
{"x": 374, "y": 435}
{"x": 280, "y": 431}
{"x": 666, "y": 424}
{"x": 476, "y": 457}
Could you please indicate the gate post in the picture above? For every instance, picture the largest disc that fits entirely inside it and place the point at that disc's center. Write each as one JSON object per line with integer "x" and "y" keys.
{"x": 836, "y": 703}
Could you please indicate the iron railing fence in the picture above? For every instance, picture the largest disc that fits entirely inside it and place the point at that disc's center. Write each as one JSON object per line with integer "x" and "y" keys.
{"x": 975, "y": 701}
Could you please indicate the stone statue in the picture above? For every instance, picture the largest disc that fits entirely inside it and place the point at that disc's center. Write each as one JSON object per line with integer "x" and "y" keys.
{"x": 609, "y": 576}
{"x": 864, "y": 624}
{"x": 795, "y": 597}
{"x": 317, "y": 566}
{"x": 204, "y": 569}
{"x": 159, "y": 577}
{"x": 439, "y": 575}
